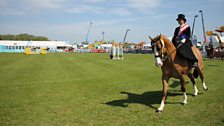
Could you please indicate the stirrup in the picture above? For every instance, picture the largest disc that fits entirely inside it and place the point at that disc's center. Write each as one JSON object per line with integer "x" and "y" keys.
{"x": 195, "y": 64}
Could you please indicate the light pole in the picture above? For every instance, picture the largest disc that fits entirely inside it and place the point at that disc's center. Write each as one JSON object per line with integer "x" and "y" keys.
{"x": 103, "y": 35}
{"x": 200, "y": 11}
{"x": 126, "y": 35}
{"x": 192, "y": 33}
{"x": 88, "y": 31}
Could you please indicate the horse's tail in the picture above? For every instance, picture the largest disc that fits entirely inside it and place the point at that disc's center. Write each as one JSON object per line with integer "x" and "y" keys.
{"x": 195, "y": 73}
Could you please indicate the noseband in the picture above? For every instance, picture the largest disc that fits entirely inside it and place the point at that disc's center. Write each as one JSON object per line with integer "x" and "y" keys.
{"x": 163, "y": 47}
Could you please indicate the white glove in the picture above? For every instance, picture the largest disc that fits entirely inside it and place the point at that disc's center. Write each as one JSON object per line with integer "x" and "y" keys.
{"x": 183, "y": 40}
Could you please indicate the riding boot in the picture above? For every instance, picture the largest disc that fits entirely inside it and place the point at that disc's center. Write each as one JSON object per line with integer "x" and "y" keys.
{"x": 193, "y": 64}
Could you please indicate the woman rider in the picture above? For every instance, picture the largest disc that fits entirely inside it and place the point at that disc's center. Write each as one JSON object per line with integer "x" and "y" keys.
{"x": 181, "y": 39}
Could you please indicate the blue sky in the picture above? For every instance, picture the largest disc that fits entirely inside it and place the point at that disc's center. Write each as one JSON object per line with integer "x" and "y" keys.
{"x": 69, "y": 19}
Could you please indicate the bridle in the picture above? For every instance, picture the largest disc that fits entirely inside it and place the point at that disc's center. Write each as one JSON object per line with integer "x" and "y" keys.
{"x": 162, "y": 48}
{"x": 162, "y": 55}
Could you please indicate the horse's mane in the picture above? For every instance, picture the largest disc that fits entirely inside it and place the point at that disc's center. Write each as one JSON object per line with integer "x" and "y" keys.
{"x": 167, "y": 41}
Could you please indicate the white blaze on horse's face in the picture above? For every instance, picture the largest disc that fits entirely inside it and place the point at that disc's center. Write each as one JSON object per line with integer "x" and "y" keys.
{"x": 158, "y": 61}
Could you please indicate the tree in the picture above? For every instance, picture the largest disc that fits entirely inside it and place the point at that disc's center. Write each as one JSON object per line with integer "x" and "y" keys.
{"x": 7, "y": 37}
{"x": 222, "y": 28}
{"x": 84, "y": 43}
{"x": 23, "y": 37}
{"x": 40, "y": 38}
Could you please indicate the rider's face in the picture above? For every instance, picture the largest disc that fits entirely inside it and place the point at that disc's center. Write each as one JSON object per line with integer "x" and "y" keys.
{"x": 181, "y": 21}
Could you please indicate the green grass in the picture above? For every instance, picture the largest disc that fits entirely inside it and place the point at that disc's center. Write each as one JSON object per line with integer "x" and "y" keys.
{"x": 89, "y": 89}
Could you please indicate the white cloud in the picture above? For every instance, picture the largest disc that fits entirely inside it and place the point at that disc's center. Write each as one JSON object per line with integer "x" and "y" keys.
{"x": 144, "y": 5}
{"x": 84, "y": 9}
{"x": 23, "y": 7}
{"x": 121, "y": 11}
{"x": 115, "y": 21}
{"x": 45, "y": 4}
{"x": 114, "y": 29}
{"x": 122, "y": 8}
{"x": 92, "y": 1}
{"x": 3, "y": 3}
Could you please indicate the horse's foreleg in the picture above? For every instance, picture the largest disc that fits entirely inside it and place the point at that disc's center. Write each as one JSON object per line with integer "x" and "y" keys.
{"x": 185, "y": 98}
{"x": 183, "y": 89}
{"x": 165, "y": 85}
{"x": 193, "y": 82}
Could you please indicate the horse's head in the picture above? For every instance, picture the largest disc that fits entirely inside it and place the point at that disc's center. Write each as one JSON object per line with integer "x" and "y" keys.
{"x": 158, "y": 47}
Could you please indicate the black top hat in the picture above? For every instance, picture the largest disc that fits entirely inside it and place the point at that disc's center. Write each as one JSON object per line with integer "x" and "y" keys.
{"x": 181, "y": 16}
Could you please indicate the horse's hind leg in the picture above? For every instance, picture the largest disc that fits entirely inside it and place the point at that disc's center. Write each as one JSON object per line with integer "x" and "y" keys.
{"x": 202, "y": 79}
{"x": 193, "y": 82}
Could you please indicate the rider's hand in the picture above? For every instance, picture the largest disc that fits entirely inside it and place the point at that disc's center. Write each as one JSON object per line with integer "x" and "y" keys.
{"x": 183, "y": 40}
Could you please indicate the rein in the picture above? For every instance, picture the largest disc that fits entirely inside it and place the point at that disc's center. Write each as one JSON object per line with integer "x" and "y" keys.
{"x": 167, "y": 56}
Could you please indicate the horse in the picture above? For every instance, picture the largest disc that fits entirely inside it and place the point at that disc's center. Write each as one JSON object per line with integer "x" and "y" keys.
{"x": 213, "y": 53}
{"x": 173, "y": 65}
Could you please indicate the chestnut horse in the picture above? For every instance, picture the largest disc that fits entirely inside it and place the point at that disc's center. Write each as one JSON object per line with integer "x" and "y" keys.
{"x": 176, "y": 66}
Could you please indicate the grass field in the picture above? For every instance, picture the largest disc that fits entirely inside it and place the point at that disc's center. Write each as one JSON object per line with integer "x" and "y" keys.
{"x": 69, "y": 89}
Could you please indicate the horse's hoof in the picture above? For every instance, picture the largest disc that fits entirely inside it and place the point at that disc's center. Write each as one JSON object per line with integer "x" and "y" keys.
{"x": 206, "y": 89}
{"x": 159, "y": 111}
{"x": 194, "y": 95}
{"x": 183, "y": 103}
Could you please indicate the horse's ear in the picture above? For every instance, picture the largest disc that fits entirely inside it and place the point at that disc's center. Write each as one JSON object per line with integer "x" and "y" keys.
{"x": 160, "y": 35}
{"x": 150, "y": 38}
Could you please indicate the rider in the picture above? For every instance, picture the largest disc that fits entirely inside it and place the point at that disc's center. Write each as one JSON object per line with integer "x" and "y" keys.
{"x": 210, "y": 45}
{"x": 181, "y": 39}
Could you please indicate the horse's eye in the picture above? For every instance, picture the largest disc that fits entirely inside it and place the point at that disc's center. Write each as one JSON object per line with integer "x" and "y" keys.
{"x": 158, "y": 48}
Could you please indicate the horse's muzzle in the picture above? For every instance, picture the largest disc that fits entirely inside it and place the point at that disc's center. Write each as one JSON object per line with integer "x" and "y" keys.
{"x": 158, "y": 62}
